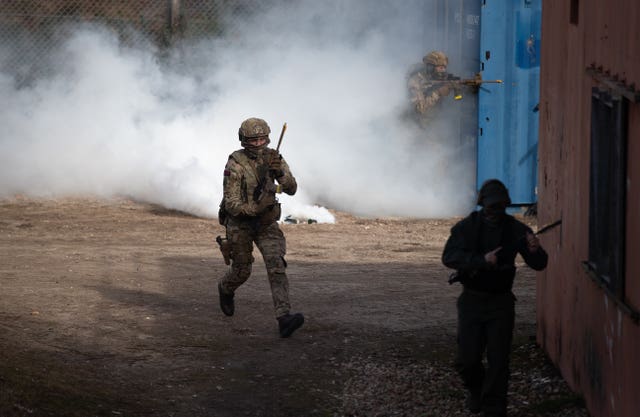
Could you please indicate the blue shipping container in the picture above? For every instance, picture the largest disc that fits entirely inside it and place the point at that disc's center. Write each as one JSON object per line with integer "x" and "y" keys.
{"x": 507, "y": 112}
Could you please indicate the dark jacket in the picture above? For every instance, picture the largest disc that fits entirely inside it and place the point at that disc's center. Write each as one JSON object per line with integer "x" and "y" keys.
{"x": 471, "y": 238}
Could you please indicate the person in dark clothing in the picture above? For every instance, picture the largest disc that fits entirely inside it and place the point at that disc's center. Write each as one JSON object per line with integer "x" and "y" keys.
{"x": 482, "y": 249}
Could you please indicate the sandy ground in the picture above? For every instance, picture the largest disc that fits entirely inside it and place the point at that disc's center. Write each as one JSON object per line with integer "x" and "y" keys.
{"x": 110, "y": 308}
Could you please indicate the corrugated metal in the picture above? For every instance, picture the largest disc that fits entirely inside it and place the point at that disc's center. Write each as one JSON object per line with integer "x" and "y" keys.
{"x": 453, "y": 26}
{"x": 592, "y": 339}
{"x": 508, "y": 120}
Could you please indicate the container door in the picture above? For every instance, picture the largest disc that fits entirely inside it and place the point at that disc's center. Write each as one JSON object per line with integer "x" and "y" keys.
{"x": 508, "y": 112}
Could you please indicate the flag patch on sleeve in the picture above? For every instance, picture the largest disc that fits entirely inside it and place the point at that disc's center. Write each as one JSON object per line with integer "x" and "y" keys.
{"x": 227, "y": 173}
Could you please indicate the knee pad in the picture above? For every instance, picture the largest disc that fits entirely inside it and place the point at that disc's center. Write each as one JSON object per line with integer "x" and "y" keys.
{"x": 242, "y": 271}
{"x": 276, "y": 265}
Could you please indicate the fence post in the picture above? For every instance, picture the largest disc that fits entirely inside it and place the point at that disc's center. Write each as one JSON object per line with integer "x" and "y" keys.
{"x": 173, "y": 18}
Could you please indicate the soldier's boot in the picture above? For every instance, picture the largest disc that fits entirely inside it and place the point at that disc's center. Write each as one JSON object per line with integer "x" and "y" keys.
{"x": 226, "y": 302}
{"x": 289, "y": 323}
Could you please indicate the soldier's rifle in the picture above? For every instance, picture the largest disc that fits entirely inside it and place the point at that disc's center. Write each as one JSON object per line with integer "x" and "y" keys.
{"x": 457, "y": 83}
{"x": 284, "y": 128}
{"x": 455, "y": 276}
{"x": 263, "y": 187}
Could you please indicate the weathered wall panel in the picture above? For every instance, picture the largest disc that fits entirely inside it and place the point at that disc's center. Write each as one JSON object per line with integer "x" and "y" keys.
{"x": 595, "y": 344}
{"x": 633, "y": 213}
{"x": 631, "y": 52}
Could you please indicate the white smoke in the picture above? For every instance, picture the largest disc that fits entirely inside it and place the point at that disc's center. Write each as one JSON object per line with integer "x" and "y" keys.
{"x": 112, "y": 120}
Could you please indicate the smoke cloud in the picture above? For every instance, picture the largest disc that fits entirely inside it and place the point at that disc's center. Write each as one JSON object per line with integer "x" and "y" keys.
{"x": 114, "y": 120}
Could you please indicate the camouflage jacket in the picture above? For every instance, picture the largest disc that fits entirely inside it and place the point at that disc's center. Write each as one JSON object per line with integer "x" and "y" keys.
{"x": 244, "y": 174}
{"x": 423, "y": 92}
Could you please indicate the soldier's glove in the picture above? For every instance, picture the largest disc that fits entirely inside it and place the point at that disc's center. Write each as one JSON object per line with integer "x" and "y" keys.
{"x": 275, "y": 164}
{"x": 533, "y": 244}
{"x": 444, "y": 90}
{"x": 421, "y": 107}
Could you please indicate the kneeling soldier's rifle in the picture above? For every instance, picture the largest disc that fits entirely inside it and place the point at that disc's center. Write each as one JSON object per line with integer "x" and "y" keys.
{"x": 455, "y": 276}
{"x": 457, "y": 82}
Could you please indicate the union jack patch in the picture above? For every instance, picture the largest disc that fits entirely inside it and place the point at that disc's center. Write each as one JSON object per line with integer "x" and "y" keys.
{"x": 227, "y": 173}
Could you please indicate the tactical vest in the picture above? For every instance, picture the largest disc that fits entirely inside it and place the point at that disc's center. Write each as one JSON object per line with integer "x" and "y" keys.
{"x": 251, "y": 179}
{"x": 250, "y": 182}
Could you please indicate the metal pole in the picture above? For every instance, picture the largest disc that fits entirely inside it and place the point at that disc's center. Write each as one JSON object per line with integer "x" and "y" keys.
{"x": 173, "y": 18}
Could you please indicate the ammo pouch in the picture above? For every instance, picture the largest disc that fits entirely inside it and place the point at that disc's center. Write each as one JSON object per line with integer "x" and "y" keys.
{"x": 271, "y": 215}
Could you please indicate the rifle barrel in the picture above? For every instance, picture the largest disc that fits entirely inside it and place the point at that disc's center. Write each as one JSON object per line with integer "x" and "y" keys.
{"x": 472, "y": 81}
{"x": 284, "y": 127}
{"x": 548, "y": 227}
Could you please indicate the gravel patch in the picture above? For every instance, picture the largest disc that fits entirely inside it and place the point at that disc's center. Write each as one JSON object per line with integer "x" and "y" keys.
{"x": 400, "y": 385}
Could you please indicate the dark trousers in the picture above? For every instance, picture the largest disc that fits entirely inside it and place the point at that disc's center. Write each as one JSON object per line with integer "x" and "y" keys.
{"x": 485, "y": 323}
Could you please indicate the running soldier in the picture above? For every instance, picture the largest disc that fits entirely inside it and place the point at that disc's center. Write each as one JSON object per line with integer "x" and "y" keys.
{"x": 250, "y": 211}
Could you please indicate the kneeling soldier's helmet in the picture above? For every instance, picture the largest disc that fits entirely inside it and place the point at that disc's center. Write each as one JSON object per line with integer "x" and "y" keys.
{"x": 436, "y": 58}
{"x": 253, "y": 128}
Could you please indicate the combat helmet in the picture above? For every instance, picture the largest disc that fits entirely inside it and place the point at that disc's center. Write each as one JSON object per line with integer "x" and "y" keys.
{"x": 493, "y": 191}
{"x": 253, "y": 128}
{"x": 436, "y": 58}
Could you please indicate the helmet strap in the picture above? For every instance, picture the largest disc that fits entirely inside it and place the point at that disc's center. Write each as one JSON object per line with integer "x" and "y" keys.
{"x": 431, "y": 69}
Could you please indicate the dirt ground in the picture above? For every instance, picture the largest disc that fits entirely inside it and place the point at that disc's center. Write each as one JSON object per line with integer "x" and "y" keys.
{"x": 109, "y": 308}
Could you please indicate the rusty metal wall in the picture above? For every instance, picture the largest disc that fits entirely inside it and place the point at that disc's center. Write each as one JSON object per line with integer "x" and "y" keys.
{"x": 591, "y": 339}
{"x": 633, "y": 214}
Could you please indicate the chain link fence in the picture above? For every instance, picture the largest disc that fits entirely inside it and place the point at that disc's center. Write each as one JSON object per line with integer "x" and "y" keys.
{"x": 30, "y": 29}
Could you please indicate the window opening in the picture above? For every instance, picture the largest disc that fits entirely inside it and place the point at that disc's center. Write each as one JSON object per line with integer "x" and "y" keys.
{"x": 607, "y": 196}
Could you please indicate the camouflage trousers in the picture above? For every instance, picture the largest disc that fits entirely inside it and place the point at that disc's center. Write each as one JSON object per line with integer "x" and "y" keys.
{"x": 272, "y": 245}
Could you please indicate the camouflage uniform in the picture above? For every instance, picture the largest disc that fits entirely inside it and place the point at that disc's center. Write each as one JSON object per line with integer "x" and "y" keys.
{"x": 248, "y": 221}
{"x": 426, "y": 89}
{"x": 424, "y": 94}
{"x": 250, "y": 211}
